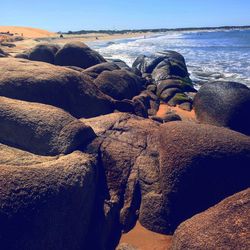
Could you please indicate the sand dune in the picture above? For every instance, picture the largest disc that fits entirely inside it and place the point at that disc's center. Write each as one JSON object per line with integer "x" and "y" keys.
{"x": 27, "y": 31}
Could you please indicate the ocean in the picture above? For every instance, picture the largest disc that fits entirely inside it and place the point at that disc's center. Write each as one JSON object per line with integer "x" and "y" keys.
{"x": 210, "y": 55}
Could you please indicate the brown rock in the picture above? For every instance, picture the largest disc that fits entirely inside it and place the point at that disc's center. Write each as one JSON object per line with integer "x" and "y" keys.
{"x": 3, "y": 53}
{"x": 77, "y": 54}
{"x": 170, "y": 117}
{"x": 44, "y": 53}
{"x": 199, "y": 166}
{"x": 22, "y": 56}
{"x": 127, "y": 149}
{"x": 46, "y": 202}
{"x": 49, "y": 84}
{"x": 119, "y": 84}
{"x": 41, "y": 129}
{"x": 99, "y": 68}
{"x": 224, "y": 226}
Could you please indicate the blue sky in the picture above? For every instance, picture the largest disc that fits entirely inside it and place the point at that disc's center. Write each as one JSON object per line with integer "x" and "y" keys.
{"x": 64, "y": 15}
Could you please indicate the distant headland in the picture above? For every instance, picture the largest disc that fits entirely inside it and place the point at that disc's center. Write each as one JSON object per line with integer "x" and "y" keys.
{"x": 154, "y": 30}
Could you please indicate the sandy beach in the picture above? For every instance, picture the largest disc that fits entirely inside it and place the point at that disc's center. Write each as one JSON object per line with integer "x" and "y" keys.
{"x": 34, "y": 36}
{"x": 185, "y": 115}
{"x": 144, "y": 239}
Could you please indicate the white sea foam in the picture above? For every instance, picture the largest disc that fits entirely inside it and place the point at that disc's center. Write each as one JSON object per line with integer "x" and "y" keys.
{"x": 214, "y": 55}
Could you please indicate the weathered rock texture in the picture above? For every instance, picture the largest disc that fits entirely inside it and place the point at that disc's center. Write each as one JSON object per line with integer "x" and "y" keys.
{"x": 224, "y": 104}
{"x": 199, "y": 166}
{"x": 224, "y": 226}
{"x": 57, "y": 86}
{"x": 77, "y": 54}
{"x": 43, "y": 53}
{"x": 3, "y": 53}
{"x": 119, "y": 84}
{"x": 46, "y": 202}
{"x": 128, "y": 152}
{"x": 40, "y": 128}
{"x": 168, "y": 71}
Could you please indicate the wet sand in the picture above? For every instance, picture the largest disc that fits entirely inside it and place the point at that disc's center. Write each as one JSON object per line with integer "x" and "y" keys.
{"x": 144, "y": 239}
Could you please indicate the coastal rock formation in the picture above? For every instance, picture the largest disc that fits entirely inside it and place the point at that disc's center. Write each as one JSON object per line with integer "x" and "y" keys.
{"x": 46, "y": 202}
{"x": 77, "y": 54}
{"x": 199, "y": 166}
{"x": 169, "y": 73}
{"x": 23, "y": 55}
{"x": 224, "y": 226}
{"x": 81, "y": 183}
{"x": 95, "y": 70}
{"x": 119, "y": 84}
{"x": 3, "y": 53}
{"x": 148, "y": 101}
{"x": 53, "y": 85}
{"x": 41, "y": 129}
{"x": 224, "y": 104}
{"x": 122, "y": 84}
{"x": 43, "y": 53}
{"x": 122, "y": 65}
{"x": 127, "y": 149}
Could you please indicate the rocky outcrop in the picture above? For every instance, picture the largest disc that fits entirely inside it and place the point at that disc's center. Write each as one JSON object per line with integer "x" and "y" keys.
{"x": 95, "y": 70}
{"x": 127, "y": 149}
{"x": 224, "y": 104}
{"x": 41, "y": 129}
{"x": 53, "y": 85}
{"x": 77, "y": 54}
{"x": 119, "y": 84}
{"x": 168, "y": 71}
{"x": 224, "y": 226}
{"x": 199, "y": 166}
{"x": 122, "y": 85}
{"x": 43, "y": 53}
{"x": 122, "y": 65}
{"x": 3, "y": 53}
{"x": 46, "y": 202}
{"x": 22, "y": 55}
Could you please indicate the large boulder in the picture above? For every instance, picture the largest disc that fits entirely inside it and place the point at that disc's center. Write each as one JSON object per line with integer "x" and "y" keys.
{"x": 224, "y": 104}
{"x": 46, "y": 202}
{"x": 170, "y": 63}
{"x": 224, "y": 226}
{"x": 40, "y": 128}
{"x": 44, "y": 53}
{"x": 49, "y": 84}
{"x": 169, "y": 72}
{"x": 127, "y": 151}
{"x": 214, "y": 164}
{"x": 199, "y": 166}
{"x": 77, "y": 54}
{"x": 119, "y": 84}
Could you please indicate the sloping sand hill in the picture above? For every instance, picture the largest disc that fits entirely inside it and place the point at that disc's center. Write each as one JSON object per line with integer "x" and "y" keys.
{"x": 26, "y": 31}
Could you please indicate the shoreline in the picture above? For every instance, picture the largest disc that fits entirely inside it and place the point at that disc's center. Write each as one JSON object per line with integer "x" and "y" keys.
{"x": 28, "y": 43}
